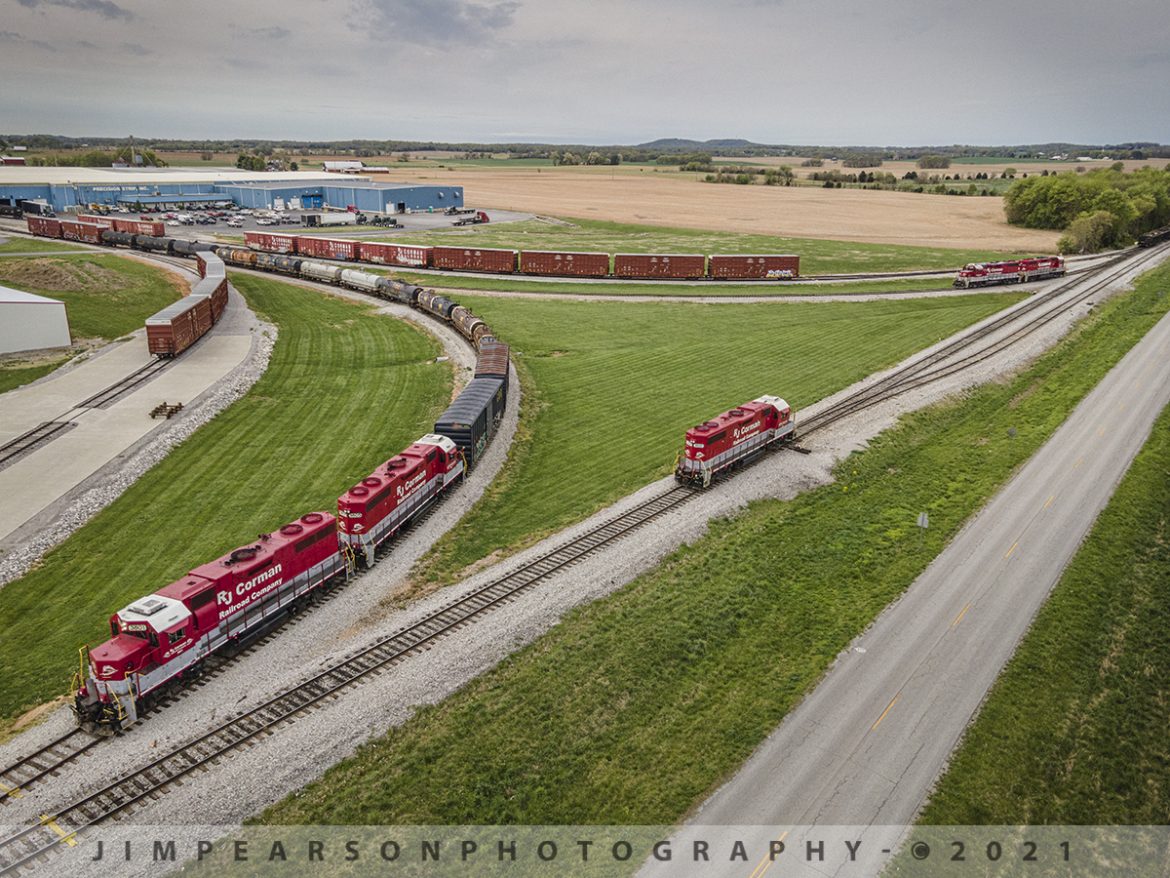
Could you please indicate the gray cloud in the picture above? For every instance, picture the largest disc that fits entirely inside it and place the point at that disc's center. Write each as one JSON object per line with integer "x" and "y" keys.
{"x": 137, "y": 49}
{"x": 7, "y": 36}
{"x": 105, "y": 8}
{"x": 436, "y": 22}
{"x": 274, "y": 32}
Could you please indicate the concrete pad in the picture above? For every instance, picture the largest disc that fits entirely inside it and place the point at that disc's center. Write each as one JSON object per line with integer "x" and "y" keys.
{"x": 45, "y": 475}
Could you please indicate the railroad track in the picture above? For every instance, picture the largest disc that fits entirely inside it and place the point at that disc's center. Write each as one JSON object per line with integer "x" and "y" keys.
{"x": 1043, "y": 309}
{"x": 43, "y": 434}
{"x": 30, "y": 844}
{"x": 130, "y": 383}
{"x": 16, "y": 778}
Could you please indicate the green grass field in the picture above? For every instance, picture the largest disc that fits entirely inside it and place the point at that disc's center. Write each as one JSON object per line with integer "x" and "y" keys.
{"x": 816, "y": 256}
{"x": 288, "y": 447}
{"x": 469, "y": 282}
{"x": 1075, "y": 729}
{"x": 17, "y": 372}
{"x": 105, "y": 296}
{"x": 594, "y": 374}
{"x": 34, "y": 245}
{"x": 633, "y": 708}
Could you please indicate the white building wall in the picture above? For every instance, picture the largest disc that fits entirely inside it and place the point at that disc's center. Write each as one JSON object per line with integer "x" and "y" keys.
{"x": 30, "y": 326}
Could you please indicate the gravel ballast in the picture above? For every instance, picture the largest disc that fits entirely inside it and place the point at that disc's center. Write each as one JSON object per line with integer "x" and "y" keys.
{"x": 246, "y": 781}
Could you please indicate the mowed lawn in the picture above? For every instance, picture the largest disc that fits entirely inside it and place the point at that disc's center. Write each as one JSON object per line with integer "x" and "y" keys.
{"x": 34, "y": 245}
{"x": 345, "y": 390}
{"x": 634, "y": 708}
{"x": 105, "y": 296}
{"x": 816, "y": 256}
{"x": 633, "y": 288}
{"x": 612, "y": 387}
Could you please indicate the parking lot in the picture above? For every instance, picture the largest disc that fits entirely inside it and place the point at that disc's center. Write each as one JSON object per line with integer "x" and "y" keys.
{"x": 203, "y": 223}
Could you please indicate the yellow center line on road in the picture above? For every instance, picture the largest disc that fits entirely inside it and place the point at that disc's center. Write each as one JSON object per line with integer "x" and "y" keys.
{"x": 1100, "y": 431}
{"x": 1012, "y": 549}
{"x": 1080, "y": 460}
{"x": 889, "y": 707}
{"x": 766, "y": 862}
{"x": 962, "y": 613}
{"x": 1121, "y": 406}
{"x": 1048, "y": 502}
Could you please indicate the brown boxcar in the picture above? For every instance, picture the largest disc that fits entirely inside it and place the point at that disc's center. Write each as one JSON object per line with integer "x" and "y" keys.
{"x": 474, "y": 259}
{"x": 327, "y": 248}
{"x": 271, "y": 242}
{"x": 175, "y": 328}
{"x": 140, "y": 227}
{"x": 659, "y": 265}
{"x": 492, "y": 361}
{"x": 774, "y": 266}
{"x": 414, "y": 255}
{"x": 93, "y": 219}
{"x": 568, "y": 264}
{"x": 45, "y": 226}
{"x": 86, "y": 232}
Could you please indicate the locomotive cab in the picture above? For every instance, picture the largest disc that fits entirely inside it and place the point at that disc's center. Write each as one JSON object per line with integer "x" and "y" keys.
{"x": 145, "y": 635}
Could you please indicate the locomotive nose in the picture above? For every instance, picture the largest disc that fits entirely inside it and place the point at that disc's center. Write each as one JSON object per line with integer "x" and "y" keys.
{"x": 116, "y": 658}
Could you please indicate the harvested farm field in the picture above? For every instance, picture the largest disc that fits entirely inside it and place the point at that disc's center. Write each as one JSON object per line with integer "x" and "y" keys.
{"x": 666, "y": 198}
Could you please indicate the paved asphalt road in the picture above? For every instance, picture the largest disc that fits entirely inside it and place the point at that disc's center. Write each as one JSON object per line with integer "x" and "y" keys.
{"x": 863, "y": 749}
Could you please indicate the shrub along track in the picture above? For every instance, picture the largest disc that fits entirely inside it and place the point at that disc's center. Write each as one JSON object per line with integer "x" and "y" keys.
{"x": 35, "y": 841}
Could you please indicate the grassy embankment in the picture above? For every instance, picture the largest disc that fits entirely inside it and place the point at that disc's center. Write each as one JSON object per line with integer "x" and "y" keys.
{"x": 816, "y": 256}
{"x": 105, "y": 298}
{"x": 20, "y": 244}
{"x": 633, "y": 288}
{"x": 1075, "y": 729}
{"x": 305, "y": 432}
{"x": 635, "y": 707}
{"x": 593, "y": 375}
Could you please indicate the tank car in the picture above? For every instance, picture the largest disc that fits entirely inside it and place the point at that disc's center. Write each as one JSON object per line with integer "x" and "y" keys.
{"x": 465, "y": 322}
{"x": 433, "y": 303}
{"x": 321, "y": 271}
{"x": 120, "y": 239}
{"x": 236, "y": 256}
{"x": 154, "y": 244}
{"x": 359, "y": 280}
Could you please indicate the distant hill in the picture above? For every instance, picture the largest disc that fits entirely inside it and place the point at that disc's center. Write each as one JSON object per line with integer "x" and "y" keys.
{"x": 701, "y": 145}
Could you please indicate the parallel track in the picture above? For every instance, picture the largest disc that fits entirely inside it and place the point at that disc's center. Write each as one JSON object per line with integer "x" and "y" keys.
{"x": 34, "y": 842}
{"x": 44, "y": 762}
{"x": 42, "y": 434}
{"x": 127, "y": 385}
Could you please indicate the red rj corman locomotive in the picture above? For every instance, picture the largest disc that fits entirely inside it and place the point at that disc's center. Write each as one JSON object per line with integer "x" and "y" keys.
{"x": 734, "y": 438}
{"x": 982, "y": 274}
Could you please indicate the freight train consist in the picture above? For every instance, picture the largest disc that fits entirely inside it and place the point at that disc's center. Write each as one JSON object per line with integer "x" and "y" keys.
{"x": 535, "y": 262}
{"x": 180, "y": 324}
{"x": 984, "y": 274}
{"x": 734, "y": 439}
{"x": 163, "y": 640}
{"x": 1157, "y": 236}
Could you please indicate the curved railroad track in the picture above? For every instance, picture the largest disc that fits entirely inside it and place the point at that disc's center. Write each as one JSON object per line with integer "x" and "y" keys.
{"x": 35, "y": 841}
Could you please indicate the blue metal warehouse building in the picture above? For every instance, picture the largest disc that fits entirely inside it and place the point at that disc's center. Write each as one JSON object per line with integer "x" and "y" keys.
{"x": 70, "y": 188}
{"x": 364, "y": 196}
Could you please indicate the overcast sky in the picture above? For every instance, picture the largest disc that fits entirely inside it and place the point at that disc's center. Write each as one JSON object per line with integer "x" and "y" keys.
{"x": 897, "y": 72}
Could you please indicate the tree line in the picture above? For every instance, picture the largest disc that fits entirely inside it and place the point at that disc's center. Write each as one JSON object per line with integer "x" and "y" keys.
{"x": 1098, "y": 210}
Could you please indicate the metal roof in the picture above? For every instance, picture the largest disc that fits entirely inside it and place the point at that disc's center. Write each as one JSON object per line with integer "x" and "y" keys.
{"x": 171, "y": 199}
{"x": 9, "y": 296}
{"x": 31, "y": 175}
